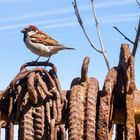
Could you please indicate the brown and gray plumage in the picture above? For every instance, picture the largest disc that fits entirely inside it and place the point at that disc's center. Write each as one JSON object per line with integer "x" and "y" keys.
{"x": 41, "y": 43}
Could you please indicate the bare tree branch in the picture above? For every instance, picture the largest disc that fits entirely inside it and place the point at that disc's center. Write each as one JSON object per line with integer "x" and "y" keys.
{"x": 125, "y": 37}
{"x": 99, "y": 35}
{"x": 89, "y": 40}
{"x": 137, "y": 39}
{"x": 82, "y": 26}
{"x": 138, "y": 3}
{"x": 136, "y": 32}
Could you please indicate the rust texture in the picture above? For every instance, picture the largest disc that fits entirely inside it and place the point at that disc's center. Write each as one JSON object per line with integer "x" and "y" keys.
{"x": 76, "y": 113}
{"x": 82, "y": 106}
{"x": 36, "y": 102}
{"x": 39, "y": 120}
{"x": 91, "y": 100}
{"x": 126, "y": 65}
{"x": 26, "y": 123}
{"x": 105, "y": 107}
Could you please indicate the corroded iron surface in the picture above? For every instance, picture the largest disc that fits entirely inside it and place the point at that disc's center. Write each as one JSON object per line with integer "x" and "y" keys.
{"x": 82, "y": 108}
{"x": 105, "y": 115}
{"x": 35, "y": 101}
{"x": 90, "y": 116}
{"x": 126, "y": 66}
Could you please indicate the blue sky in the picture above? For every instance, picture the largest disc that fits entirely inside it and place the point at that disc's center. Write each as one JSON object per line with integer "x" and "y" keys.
{"x": 57, "y": 18}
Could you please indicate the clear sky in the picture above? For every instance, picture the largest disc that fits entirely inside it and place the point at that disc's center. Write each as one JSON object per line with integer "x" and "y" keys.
{"x": 57, "y": 18}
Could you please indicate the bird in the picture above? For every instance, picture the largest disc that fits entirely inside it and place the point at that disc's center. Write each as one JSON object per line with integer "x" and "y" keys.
{"x": 40, "y": 43}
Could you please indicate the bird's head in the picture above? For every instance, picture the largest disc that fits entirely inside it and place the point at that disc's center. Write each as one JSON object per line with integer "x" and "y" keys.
{"x": 29, "y": 28}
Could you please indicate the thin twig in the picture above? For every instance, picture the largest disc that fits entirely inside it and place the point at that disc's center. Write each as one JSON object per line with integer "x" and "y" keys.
{"x": 99, "y": 35}
{"x": 138, "y": 3}
{"x": 125, "y": 37}
{"x": 89, "y": 40}
{"x": 136, "y": 32}
{"x": 136, "y": 43}
{"x": 82, "y": 26}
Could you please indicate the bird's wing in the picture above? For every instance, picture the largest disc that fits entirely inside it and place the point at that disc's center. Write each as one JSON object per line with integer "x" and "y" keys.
{"x": 43, "y": 38}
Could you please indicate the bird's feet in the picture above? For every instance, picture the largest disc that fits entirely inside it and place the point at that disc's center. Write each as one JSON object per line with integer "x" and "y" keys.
{"x": 48, "y": 60}
{"x": 36, "y": 61}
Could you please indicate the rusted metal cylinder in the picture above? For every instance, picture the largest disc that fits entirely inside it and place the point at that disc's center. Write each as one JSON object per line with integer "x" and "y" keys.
{"x": 105, "y": 107}
{"x": 90, "y": 116}
{"x": 77, "y": 112}
{"x": 82, "y": 106}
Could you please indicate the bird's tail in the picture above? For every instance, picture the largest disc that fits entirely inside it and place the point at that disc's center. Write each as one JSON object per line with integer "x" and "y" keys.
{"x": 67, "y": 48}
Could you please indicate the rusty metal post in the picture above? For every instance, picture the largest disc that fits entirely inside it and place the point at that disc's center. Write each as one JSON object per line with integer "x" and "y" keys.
{"x": 126, "y": 64}
{"x": 105, "y": 108}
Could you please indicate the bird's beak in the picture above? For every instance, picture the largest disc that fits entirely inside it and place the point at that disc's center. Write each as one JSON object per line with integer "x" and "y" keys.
{"x": 22, "y": 31}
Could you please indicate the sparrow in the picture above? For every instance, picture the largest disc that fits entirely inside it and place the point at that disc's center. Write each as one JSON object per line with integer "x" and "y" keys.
{"x": 41, "y": 43}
